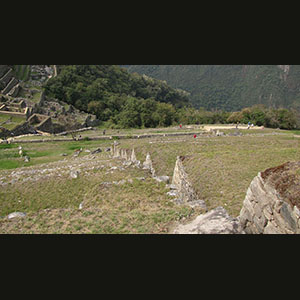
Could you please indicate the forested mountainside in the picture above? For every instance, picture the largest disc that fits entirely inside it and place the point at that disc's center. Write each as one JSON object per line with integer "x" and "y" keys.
{"x": 79, "y": 84}
{"x": 70, "y": 97}
{"x": 231, "y": 87}
{"x": 113, "y": 94}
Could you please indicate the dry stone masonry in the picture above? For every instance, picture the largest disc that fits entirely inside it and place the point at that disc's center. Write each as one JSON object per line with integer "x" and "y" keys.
{"x": 147, "y": 164}
{"x": 271, "y": 205}
{"x": 181, "y": 186}
{"x": 127, "y": 155}
{"x": 272, "y": 201}
{"x": 129, "y": 158}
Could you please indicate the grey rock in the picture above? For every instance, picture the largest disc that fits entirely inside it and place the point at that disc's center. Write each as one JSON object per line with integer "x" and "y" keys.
{"x": 171, "y": 186}
{"x": 98, "y": 150}
{"x": 271, "y": 228}
{"x": 172, "y": 193}
{"x": 181, "y": 182}
{"x": 147, "y": 164}
{"x": 137, "y": 163}
{"x": 16, "y": 215}
{"x": 162, "y": 178}
{"x": 264, "y": 211}
{"x": 74, "y": 174}
{"x": 197, "y": 203}
{"x": 287, "y": 215}
{"x": 121, "y": 182}
{"x": 127, "y": 163}
{"x": 216, "y": 221}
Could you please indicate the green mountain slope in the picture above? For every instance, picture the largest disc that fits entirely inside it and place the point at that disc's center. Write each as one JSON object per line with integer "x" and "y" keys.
{"x": 80, "y": 84}
{"x": 231, "y": 87}
{"x": 113, "y": 94}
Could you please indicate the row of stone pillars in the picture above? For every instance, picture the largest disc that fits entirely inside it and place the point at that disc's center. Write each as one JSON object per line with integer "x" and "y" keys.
{"x": 181, "y": 188}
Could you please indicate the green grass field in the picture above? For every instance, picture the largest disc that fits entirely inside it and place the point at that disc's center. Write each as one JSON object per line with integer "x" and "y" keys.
{"x": 220, "y": 169}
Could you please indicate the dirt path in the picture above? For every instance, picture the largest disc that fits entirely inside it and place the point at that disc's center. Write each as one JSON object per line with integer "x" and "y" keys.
{"x": 211, "y": 127}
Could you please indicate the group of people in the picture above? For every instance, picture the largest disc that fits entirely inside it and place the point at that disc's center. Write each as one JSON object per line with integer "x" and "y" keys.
{"x": 248, "y": 127}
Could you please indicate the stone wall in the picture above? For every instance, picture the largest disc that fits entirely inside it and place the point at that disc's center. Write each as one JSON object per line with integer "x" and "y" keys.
{"x": 24, "y": 128}
{"x": 3, "y": 69}
{"x": 6, "y": 77}
{"x": 14, "y": 92}
{"x": 41, "y": 122}
{"x": 180, "y": 181}
{"x": 46, "y": 125}
{"x": 40, "y": 73}
{"x": 16, "y": 114}
{"x": 126, "y": 154}
{"x": 271, "y": 204}
{"x": 12, "y": 83}
{"x": 267, "y": 208}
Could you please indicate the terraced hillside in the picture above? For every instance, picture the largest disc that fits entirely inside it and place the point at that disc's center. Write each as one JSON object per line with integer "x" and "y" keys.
{"x": 9, "y": 83}
{"x": 22, "y": 100}
{"x": 75, "y": 187}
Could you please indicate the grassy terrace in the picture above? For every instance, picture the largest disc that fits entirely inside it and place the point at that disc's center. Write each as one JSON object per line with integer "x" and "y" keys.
{"x": 22, "y": 71}
{"x": 139, "y": 206}
{"x": 220, "y": 169}
{"x": 15, "y": 120}
{"x": 41, "y": 153}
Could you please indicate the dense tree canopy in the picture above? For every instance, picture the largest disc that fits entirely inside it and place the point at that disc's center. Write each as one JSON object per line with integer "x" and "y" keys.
{"x": 231, "y": 87}
{"x": 124, "y": 100}
{"x": 113, "y": 94}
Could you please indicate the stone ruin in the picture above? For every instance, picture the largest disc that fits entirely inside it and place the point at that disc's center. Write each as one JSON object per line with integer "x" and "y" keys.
{"x": 181, "y": 187}
{"x": 41, "y": 123}
{"x": 272, "y": 201}
{"x": 125, "y": 154}
{"x": 9, "y": 84}
{"x": 148, "y": 165}
{"x": 271, "y": 206}
{"x": 41, "y": 73}
{"x": 12, "y": 104}
{"x": 129, "y": 158}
